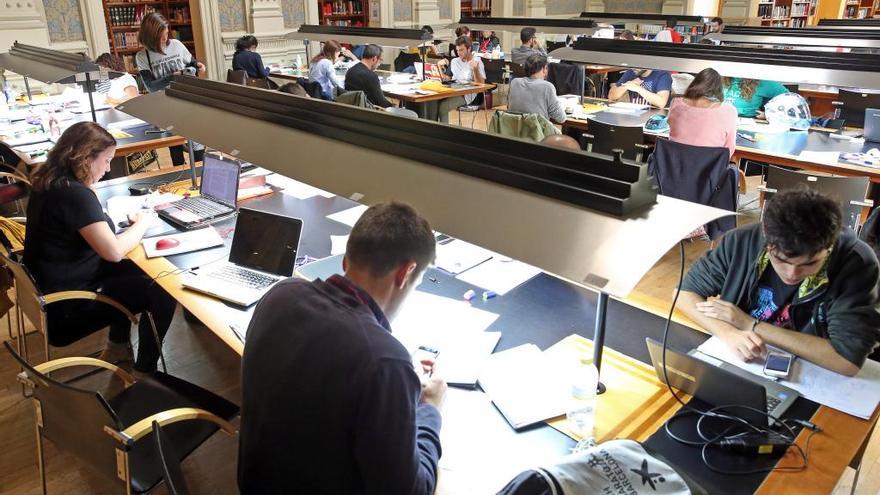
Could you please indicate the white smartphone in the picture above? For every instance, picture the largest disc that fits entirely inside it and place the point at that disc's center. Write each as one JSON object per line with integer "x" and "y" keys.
{"x": 778, "y": 364}
{"x": 422, "y": 353}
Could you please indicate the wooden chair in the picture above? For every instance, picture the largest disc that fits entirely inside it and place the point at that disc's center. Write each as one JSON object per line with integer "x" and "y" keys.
{"x": 109, "y": 433}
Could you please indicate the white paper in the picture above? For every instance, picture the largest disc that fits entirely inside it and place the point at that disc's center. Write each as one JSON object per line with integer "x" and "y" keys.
{"x": 348, "y": 217}
{"x": 624, "y": 105}
{"x": 762, "y": 128}
{"x": 857, "y": 395}
{"x": 829, "y": 157}
{"x": 457, "y": 256}
{"x": 426, "y": 318}
{"x": 295, "y": 188}
{"x": 119, "y": 207}
{"x": 125, "y": 124}
{"x": 192, "y": 240}
{"x": 337, "y": 244}
{"x": 526, "y": 385}
{"x": 400, "y": 78}
{"x": 499, "y": 274}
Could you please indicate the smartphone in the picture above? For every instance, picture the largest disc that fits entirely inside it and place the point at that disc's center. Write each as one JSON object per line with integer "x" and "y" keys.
{"x": 778, "y": 364}
{"x": 422, "y": 353}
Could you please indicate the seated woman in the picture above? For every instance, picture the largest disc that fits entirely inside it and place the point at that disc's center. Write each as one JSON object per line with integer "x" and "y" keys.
{"x": 321, "y": 68}
{"x": 118, "y": 89}
{"x": 750, "y": 95}
{"x": 248, "y": 60}
{"x": 488, "y": 42}
{"x": 700, "y": 117}
{"x": 71, "y": 244}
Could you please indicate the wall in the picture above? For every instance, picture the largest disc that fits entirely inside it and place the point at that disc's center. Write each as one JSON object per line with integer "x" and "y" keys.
{"x": 63, "y": 20}
{"x": 568, "y": 7}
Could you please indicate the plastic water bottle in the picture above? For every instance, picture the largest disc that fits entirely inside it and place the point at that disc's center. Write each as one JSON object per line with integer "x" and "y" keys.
{"x": 582, "y": 406}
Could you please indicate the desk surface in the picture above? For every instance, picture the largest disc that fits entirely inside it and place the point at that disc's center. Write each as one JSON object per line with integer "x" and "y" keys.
{"x": 636, "y": 406}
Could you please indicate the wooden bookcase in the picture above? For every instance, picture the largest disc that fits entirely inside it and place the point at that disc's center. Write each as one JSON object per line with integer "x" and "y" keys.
{"x": 123, "y": 19}
{"x": 343, "y": 13}
{"x": 858, "y": 9}
{"x": 476, "y": 8}
{"x": 775, "y": 13}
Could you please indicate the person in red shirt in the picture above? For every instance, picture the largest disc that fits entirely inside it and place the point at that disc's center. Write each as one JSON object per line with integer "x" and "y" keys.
{"x": 671, "y": 22}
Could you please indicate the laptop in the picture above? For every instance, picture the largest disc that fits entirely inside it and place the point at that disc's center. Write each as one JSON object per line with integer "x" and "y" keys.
{"x": 217, "y": 195}
{"x": 264, "y": 248}
{"x": 722, "y": 385}
{"x": 872, "y": 125}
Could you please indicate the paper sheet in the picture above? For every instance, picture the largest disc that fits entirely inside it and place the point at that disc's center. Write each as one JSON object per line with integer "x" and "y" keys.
{"x": 499, "y": 274}
{"x": 457, "y": 256}
{"x": 119, "y": 207}
{"x": 762, "y": 128}
{"x": 829, "y": 157}
{"x": 337, "y": 244}
{"x": 856, "y": 395}
{"x": 295, "y": 188}
{"x": 348, "y": 217}
{"x": 125, "y": 124}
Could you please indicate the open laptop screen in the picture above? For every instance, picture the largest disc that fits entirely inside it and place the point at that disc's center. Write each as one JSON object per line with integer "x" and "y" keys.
{"x": 220, "y": 179}
{"x": 266, "y": 242}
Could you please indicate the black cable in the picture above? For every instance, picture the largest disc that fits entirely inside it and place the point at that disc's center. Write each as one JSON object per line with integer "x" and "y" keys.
{"x": 706, "y": 441}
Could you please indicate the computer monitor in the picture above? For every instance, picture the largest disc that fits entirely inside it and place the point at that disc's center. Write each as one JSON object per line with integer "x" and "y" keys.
{"x": 854, "y": 105}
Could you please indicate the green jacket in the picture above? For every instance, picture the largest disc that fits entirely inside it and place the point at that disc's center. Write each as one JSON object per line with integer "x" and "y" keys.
{"x": 839, "y": 303}
{"x": 521, "y": 125}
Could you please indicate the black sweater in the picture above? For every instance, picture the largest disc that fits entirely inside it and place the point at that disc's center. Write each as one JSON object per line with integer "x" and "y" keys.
{"x": 330, "y": 400}
{"x": 250, "y": 62}
{"x": 361, "y": 78}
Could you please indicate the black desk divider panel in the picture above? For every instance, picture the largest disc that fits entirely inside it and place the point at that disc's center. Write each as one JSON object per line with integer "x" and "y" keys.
{"x": 343, "y": 31}
{"x": 757, "y": 56}
{"x": 613, "y": 186}
{"x": 865, "y": 34}
{"x": 537, "y": 23}
{"x": 645, "y": 18}
{"x": 874, "y": 23}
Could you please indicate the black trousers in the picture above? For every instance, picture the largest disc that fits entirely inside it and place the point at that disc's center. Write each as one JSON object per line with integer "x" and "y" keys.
{"x": 69, "y": 321}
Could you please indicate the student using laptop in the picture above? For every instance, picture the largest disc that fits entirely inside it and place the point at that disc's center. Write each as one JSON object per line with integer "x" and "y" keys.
{"x": 468, "y": 67}
{"x": 71, "y": 245}
{"x": 796, "y": 281}
{"x": 330, "y": 400}
{"x": 362, "y": 77}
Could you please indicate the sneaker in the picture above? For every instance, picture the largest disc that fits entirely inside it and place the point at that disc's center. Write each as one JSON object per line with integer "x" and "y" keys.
{"x": 116, "y": 353}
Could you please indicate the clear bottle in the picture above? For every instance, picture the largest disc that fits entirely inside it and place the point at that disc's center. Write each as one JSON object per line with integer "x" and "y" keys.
{"x": 581, "y": 413}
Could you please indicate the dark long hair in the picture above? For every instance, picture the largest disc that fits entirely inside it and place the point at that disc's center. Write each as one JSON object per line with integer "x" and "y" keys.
{"x": 72, "y": 155}
{"x": 707, "y": 84}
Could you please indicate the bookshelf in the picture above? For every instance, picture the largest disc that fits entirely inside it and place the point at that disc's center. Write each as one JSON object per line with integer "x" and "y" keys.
{"x": 343, "y": 13}
{"x": 123, "y": 18}
{"x": 478, "y": 8}
{"x": 777, "y": 13}
{"x": 858, "y": 9}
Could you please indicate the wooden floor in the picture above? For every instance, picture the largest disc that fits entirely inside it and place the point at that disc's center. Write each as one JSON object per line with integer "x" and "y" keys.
{"x": 193, "y": 353}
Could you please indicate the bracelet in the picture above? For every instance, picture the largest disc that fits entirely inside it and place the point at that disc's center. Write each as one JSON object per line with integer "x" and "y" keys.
{"x": 755, "y": 324}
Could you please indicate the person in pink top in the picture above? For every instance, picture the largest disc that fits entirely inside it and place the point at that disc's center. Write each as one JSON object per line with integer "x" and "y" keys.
{"x": 700, "y": 117}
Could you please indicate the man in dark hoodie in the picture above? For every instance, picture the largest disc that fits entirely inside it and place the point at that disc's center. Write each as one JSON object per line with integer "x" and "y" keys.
{"x": 796, "y": 281}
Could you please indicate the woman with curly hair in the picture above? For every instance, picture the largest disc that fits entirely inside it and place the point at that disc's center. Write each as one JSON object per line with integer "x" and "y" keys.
{"x": 750, "y": 95}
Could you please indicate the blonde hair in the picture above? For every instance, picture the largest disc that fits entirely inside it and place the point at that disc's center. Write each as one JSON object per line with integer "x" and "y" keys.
{"x": 747, "y": 87}
{"x": 72, "y": 155}
{"x": 150, "y": 33}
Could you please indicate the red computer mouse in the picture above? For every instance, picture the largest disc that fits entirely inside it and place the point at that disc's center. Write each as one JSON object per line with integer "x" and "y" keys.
{"x": 167, "y": 243}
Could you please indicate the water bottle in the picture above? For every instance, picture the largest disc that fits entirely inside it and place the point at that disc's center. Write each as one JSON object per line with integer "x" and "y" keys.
{"x": 581, "y": 413}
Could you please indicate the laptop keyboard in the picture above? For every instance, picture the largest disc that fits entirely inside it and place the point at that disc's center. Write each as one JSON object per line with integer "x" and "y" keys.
{"x": 202, "y": 207}
{"x": 244, "y": 277}
{"x": 772, "y": 402}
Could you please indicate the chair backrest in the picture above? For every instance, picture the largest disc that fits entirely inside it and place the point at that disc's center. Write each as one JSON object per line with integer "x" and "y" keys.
{"x": 521, "y": 125}
{"x": 843, "y": 189}
{"x": 607, "y": 137}
{"x": 27, "y": 296}
{"x": 73, "y": 418}
{"x": 173, "y": 475}
{"x": 494, "y": 70}
{"x": 9, "y": 158}
{"x": 313, "y": 88}
{"x": 405, "y": 60}
{"x": 854, "y": 105}
{"x": 552, "y": 45}
{"x": 518, "y": 70}
{"x": 354, "y": 98}
{"x": 236, "y": 77}
{"x": 568, "y": 79}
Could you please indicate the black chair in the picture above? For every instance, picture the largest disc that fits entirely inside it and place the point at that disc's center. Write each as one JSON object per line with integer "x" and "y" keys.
{"x": 313, "y": 88}
{"x": 173, "y": 475}
{"x": 850, "y": 192}
{"x": 405, "y": 60}
{"x": 852, "y": 106}
{"x": 605, "y": 138}
{"x": 236, "y": 77}
{"x": 494, "y": 71}
{"x": 568, "y": 79}
{"x": 517, "y": 70}
{"x": 552, "y": 45}
{"x": 108, "y": 433}
{"x": 699, "y": 174}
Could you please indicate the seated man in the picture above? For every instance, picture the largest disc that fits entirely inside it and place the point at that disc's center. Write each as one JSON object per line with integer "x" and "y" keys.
{"x": 534, "y": 94}
{"x": 330, "y": 400}
{"x": 645, "y": 86}
{"x": 796, "y": 281}
{"x": 362, "y": 78}
{"x": 530, "y": 46}
{"x": 468, "y": 67}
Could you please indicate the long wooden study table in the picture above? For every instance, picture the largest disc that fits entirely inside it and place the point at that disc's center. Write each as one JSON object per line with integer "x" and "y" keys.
{"x": 481, "y": 451}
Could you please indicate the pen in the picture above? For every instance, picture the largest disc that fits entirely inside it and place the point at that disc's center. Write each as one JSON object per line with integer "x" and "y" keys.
{"x": 746, "y": 137}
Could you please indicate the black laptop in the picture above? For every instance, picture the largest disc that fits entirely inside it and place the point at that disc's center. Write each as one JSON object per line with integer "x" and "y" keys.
{"x": 217, "y": 195}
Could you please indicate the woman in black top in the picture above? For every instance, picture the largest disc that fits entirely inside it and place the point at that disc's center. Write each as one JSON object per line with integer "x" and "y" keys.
{"x": 71, "y": 244}
{"x": 246, "y": 59}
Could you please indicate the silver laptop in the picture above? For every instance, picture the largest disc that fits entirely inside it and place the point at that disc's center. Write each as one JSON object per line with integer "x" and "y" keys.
{"x": 872, "y": 125}
{"x": 722, "y": 384}
{"x": 264, "y": 248}
{"x": 218, "y": 192}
